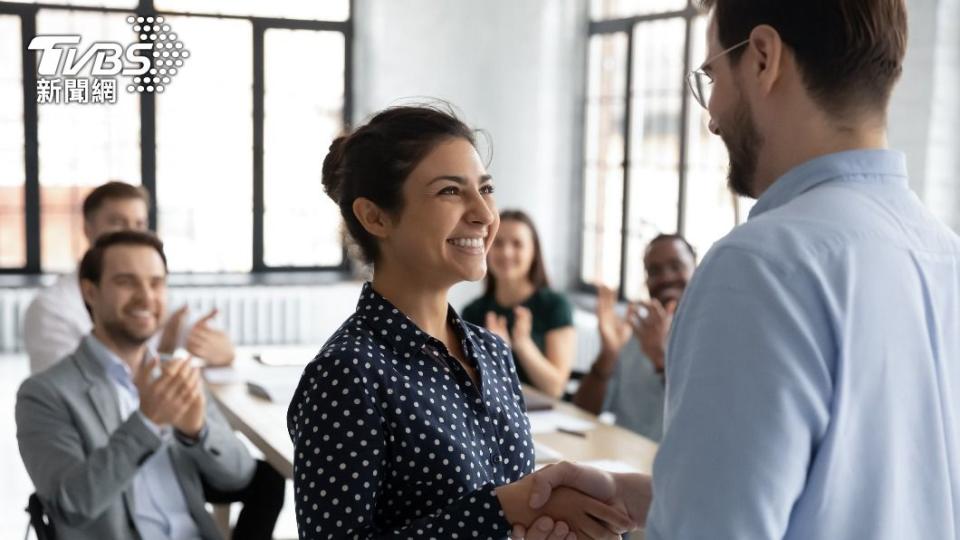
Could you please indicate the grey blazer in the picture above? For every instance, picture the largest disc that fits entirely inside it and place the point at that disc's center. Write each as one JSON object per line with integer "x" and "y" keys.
{"x": 82, "y": 458}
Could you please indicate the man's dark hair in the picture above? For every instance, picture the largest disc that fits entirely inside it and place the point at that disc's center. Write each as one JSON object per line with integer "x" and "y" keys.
{"x": 112, "y": 190}
{"x": 91, "y": 266}
{"x": 850, "y": 52}
{"x": 672, "y": 238}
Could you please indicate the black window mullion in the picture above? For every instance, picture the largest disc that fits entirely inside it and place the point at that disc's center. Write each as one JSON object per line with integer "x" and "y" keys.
{"x": 31, "y": 157}
{"x": 258, "y": 193}
{"x": 684, "y": 135}
{"x": 148, "y": 134}
{"x": 627, "y": 134}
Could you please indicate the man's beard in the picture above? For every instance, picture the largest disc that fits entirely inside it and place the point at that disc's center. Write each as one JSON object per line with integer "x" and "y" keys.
{"x": 743, "y": 143}
{"x": 123, "y": 336}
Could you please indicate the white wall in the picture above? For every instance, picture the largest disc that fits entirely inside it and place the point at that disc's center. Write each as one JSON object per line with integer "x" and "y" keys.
{"x": 513, "y": 68}
{"x": 925, "y": 111}
{"x": 910, "y": 110}
{"x": 942, "y": 191}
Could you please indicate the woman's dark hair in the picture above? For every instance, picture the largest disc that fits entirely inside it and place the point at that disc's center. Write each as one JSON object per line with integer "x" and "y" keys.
{"x": 375, "y": 160}
{"x": 538, "y": 271}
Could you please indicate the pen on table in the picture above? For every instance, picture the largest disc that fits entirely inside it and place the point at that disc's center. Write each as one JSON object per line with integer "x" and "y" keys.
{"x": 573, "y": 432}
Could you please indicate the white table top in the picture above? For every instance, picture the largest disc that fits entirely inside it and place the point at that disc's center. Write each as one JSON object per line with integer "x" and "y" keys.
{"x": 265, "y": 422}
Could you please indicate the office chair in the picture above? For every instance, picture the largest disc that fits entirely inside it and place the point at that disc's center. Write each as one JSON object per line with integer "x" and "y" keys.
{"x": 39, "y": 522}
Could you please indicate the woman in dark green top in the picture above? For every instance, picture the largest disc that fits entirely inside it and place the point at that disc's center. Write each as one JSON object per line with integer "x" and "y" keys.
{"x": 520, "y": 307}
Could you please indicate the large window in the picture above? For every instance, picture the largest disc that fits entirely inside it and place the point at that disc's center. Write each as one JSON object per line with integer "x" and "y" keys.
{"x": 204, "y": 149}
{"x": 313, "y": 100}
{"x": 81, "y": 146}
{"x": 13, "y": 247}
{"x": 650, "y": 164}
{"x": 227, "y": 148}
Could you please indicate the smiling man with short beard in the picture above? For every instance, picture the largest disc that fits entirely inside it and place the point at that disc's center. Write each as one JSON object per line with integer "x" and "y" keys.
{"x": 812, "y": 388}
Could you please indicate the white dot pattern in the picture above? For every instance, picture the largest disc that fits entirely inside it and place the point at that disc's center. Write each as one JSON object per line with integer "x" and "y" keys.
{"x": 155, "y": 31}
{"x": 393, "y": 440}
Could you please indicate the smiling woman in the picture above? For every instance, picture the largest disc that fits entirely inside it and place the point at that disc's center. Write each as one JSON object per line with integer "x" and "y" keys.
{"x": 520, "y": 307}
{"x": 410, "y": 418}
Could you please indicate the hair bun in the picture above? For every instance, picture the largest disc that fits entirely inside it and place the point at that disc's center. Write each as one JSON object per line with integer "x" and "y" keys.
{"x": 332, "y": 173}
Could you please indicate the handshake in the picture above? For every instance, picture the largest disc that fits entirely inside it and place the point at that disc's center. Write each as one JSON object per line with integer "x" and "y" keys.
{"x": 567, "y": 501}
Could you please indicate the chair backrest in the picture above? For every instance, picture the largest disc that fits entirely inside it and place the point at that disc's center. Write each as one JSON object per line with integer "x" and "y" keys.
{"x": 42, "y": 526}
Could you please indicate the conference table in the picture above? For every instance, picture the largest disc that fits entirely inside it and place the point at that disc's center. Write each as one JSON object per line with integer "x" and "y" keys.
{"x": 579, "y": 436}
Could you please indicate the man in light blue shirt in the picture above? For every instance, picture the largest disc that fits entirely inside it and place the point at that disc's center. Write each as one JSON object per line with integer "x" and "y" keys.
{"x": 813, "y": 372}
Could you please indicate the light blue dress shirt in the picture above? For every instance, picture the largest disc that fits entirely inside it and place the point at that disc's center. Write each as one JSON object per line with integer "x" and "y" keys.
{"x": 813, "y": 371}
{"x": 161, "y": 511}
{"x": 635, "y": 393}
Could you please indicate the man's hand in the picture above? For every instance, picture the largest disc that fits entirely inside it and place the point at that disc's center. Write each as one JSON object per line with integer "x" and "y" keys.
{"x": 653, "y": 329}
{"x": 164, "y": 400}
{"x": 209, "y": 343}
{"x": 498, "y": 325}
{"x": 169, "y": 338}
{"x": 191, "y": 422}
{"x": 544, "y": 528}
{"x": 586, "y": 516}
{"x": 614, "y": 331}
{"x": 633, "y": 492}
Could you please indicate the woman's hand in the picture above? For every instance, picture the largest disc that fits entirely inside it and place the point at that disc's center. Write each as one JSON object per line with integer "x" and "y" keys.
{"x": 587, "y": 517}
{"x": 498, "y": 325}
{"x": 544, "y": 528}
{"x": 522, "y": 325}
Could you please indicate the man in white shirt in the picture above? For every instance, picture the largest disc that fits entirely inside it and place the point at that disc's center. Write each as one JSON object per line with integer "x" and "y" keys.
{"x": 57, "y": 320}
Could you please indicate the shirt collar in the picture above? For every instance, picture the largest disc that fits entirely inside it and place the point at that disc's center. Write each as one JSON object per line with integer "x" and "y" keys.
{"x": 392, "y": 326}
{"x": 876, "y": 166}
{"x": 116, "y": 369}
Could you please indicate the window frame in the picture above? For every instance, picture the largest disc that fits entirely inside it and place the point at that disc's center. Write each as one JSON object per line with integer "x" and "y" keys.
{"x": 627, "y": 25}
{"x": 148, "y": 118}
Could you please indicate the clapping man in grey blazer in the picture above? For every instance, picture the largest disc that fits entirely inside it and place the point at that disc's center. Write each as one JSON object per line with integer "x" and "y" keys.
{"x": 117, "y": 443}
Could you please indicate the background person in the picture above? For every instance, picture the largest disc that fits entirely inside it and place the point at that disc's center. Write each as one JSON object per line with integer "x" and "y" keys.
{"x": 520, "y": 307}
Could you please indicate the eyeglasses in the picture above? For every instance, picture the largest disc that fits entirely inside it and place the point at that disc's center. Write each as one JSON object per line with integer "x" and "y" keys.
{"x": 701, "y": 82}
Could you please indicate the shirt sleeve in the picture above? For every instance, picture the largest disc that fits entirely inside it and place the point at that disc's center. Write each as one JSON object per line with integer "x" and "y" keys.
{"x": 340, "y": 444}
{"x": 48, "y": 334}
{"x": 76, "y": 483}
{"x": 749, "y": 386}
{"x": 559, "y": 312}
{"x": 613, "y": 383}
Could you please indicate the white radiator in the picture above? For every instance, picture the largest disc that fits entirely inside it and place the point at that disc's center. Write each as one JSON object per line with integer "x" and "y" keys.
{"x": 252, "y": 315}
{"x": 13, "y": 305}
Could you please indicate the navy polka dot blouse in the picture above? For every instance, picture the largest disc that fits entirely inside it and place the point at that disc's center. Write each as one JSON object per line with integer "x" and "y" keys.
{"x": 392, "y": 439}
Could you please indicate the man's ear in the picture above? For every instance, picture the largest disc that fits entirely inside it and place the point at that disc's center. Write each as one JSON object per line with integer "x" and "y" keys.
{"x": 88, "y": 231}
{"x": 766, "y": 61}
{"x": 373, "y": 219}
{"x": 89, "y": 291}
